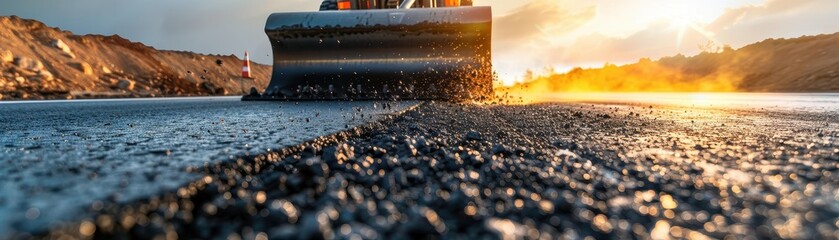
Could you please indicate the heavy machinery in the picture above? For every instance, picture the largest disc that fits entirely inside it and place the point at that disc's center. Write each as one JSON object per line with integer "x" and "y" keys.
{"x": 381, "y": 49}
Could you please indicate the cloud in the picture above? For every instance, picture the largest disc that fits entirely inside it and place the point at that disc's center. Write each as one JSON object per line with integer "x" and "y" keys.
{"x": 659, "y": 39}
{"x": 776, "y": 19}
{"x": 750, "y": 13}
{"x": 539, "y": 19}
{"x": 527, "y": 34}
{"x": 520, "y": 37}
{"x": 736, "y": 27}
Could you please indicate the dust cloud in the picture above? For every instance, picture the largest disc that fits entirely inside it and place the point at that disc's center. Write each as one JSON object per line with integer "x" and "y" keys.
{"x": 803, "y": 64}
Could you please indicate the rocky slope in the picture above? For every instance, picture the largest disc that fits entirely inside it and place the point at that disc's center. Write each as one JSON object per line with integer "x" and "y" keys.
{"x": 40, "y": 62}
{"x": 805, "y": 64}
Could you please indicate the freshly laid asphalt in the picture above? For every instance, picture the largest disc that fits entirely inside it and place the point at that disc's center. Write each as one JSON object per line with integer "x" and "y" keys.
{"x": 62, "y": 160}
{"x": 548, "y": 170}
{"x": 436, "y": 170}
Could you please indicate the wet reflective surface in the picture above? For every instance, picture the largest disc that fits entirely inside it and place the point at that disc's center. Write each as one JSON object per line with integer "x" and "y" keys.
{"x": 537, "y": 171}
{"x": 721, "y": 167}
{"x": 809, "y": 102}
{"x": 58, "y": 160}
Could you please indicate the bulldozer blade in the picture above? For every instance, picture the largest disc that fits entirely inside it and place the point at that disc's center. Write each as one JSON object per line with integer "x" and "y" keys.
{"x": 426, "y": 53}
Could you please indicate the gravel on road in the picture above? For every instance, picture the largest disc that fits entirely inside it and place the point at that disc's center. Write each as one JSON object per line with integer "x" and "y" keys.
{"x": 59, "y": 157}
{"x": 540, "y": 171}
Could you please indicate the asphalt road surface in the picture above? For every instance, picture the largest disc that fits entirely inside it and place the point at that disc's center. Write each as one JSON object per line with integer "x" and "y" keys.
{"x": 620, "y": 166}
{"x": 60, "y": 158}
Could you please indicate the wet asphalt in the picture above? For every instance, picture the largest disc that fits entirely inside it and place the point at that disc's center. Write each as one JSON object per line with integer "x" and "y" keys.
{"x": 536, "y": 171}
{"x": 62, "y": 160}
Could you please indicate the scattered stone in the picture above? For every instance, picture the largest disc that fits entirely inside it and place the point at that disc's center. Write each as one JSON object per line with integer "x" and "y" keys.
{"x": 20, "y": 80}
{"x": 501, "y": 149}
{"x": 64, "y": 48}
{"x": 83, "y": 67}
{"x": 6, "y": 56}
{"x": 106, "y": 70}
{"x": 29, "y": 64}
{"x": 112, "y": 81}
{"x": 125, "y": 84}
{"x": 416, "y": 177}
{"x": 473, "y": 136}
{"x": 209, "y": 87}
{"x": 45, "y": 75}
{"x": 19, "y": 94}
{"x": 26, "y": 73}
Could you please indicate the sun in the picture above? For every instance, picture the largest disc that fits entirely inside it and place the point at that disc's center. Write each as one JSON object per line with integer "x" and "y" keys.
{"x": 681, "y": 22}
{"x": 686, "y": 16}
{"x": 681, "y": 14}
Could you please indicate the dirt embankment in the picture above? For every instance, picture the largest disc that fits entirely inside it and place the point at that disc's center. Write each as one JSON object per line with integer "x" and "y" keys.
{"x": 41, "y": 62}
{"x": 804, "y": 64}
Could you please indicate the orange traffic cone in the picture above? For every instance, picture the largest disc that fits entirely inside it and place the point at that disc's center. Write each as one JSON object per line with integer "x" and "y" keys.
{"x": 246, "y": 67}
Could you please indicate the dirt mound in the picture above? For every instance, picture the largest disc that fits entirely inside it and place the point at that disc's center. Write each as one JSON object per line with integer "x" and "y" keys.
{"x": 40, "y": 62}
{"x": 804, "y": 64}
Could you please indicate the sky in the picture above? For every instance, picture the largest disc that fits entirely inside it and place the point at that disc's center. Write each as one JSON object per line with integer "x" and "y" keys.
{"x": 527, "y": 34}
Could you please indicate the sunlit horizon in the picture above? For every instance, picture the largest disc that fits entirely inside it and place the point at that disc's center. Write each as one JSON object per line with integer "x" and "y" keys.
{"x": 529, "y": 34}
{"x": 595, "y": 33}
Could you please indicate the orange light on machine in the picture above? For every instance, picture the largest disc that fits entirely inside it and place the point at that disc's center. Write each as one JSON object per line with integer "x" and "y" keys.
{"x": 452, "y": 3}
{"x": 344, "y": 5}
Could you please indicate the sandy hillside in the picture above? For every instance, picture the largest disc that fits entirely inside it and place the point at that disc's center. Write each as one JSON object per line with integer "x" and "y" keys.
{"x": 805, "y": 64}
{"x": 40, "y": 62}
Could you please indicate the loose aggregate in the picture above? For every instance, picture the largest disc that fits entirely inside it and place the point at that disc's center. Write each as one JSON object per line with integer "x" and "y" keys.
{"x": 539, "y": 171}
{"x": 59, "y": 158}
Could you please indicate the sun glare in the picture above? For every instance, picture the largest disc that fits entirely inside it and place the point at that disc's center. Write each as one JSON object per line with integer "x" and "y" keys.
{"x": 685, "y": 16}
{"x": 701, "y": 99}
{"x": 681, "y": 15}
